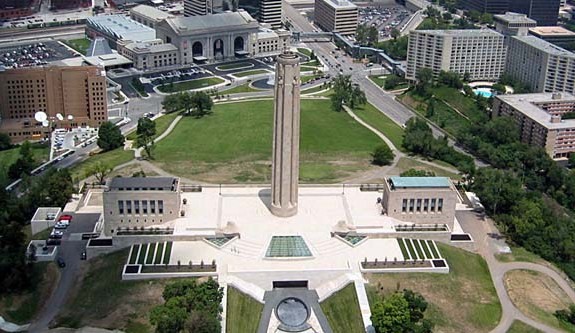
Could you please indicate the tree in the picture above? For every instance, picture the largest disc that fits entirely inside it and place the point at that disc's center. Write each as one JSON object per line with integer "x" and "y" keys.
{"x": 391, "y": 315}
{"x": 424, "y": 78}
{"x": 5, "y": 142}
{"x": 145, "y": 135}
{"x": 201, "y": 103}
{"x": 572, "y": 160}
{"x": 100, "y": 170}
{"x": 168, "y": 318}
{"x": 382, "y": 155}
{"x": 395, "y": 33}
{"x": 417, "y": 173}
{"x": 366, "y": 35}
{"x": 109, "y": 136}
{"x": 450, "y": 79}
{"x": 172, "y": 103}
{"x": 346, "y": 93}
{"x": 24, "y": 164}
{"x": 201, "y": 322}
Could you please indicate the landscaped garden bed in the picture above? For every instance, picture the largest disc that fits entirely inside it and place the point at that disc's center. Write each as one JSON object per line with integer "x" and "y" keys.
{"x": 190, "y": 85}
{"x": 151, "y": 231}
{"x": 195, "y": 268}
{"x": 236, "y": 65}
{"x": 396, "y": 264}
{"x": 421, "y": 228}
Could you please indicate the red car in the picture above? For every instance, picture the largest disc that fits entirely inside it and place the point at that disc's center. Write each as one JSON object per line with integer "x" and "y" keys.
{"x": 65, "y": 217}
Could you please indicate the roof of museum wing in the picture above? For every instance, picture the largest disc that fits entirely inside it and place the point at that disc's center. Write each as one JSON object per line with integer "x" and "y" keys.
{"x": 234, "y": 21}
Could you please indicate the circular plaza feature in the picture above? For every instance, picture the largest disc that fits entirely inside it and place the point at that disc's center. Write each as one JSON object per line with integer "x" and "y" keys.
{"x": 292, "y": 313}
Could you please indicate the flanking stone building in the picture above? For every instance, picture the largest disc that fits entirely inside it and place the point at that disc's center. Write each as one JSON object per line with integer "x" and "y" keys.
{"x": 420, "y": 200}
{"x": 140, "y": 202}
{"x": 212, "y": 37}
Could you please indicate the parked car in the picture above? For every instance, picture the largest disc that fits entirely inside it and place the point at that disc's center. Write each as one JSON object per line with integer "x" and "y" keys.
{"x": 61, "y": 262}
{"x": 64, "y": 222}
{"x": 65, "y": 217}
{"x": 60, "y": 225}
{"x": 53, "y": 242}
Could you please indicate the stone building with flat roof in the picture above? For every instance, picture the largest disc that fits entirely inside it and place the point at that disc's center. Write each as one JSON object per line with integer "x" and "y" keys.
{"x": 148, "y": 15}
{"x": 540, "y": 119}
{"x": 513, "y": 24}
{"x": 150, "y": 54}
{"x": 210, "y": 37}
{"x": 420, "y": 200}
{"x": 555, "y": 35}
{"x": 140, "y": 202}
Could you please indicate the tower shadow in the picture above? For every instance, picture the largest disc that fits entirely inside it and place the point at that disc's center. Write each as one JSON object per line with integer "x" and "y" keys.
{"x": 265, "y": 196}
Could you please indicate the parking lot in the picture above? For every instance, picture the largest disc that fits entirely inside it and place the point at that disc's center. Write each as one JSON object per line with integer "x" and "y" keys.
{"x": 384, "y": 18}
{"x": 33, "y": 54}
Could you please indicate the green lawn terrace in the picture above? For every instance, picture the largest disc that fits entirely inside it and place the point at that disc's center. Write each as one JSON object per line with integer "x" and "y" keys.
{"x": 233, "y": 144}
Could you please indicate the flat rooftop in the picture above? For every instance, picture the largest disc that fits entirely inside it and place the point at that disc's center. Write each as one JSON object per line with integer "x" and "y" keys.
{"x": 341, "y": 4}
{"x": 527, "y": 104}
{"x": 419, "y": 182}
{"x": 150, "y": 12}
{"x": 462, "y": 33}
{"x": 514, "y": 18}
{"x": 212, "y": 23}
{"x": 46, "y": 214}
{"x": 143, "y": 184}
{"x": 551, "y": 32}
{"x": 121, "y": 27}
{"x": 544, "y": 46}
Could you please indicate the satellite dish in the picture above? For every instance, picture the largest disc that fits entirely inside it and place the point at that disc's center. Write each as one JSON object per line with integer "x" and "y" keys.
{"x": 45, "y": 123}
{"x": 40, "y": 116}
{"x": 70, "y": 117}
{"x": 59, "y": 116}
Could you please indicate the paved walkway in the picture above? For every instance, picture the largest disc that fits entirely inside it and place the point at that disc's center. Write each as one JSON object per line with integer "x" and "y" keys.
{"x": 488, "y": 247}
{"x": 379, "y": 173}
{"x": 138, "y": 151}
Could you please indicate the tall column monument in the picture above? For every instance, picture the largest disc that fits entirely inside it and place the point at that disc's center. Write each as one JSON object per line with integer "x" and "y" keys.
{"x": 285, "y": 163}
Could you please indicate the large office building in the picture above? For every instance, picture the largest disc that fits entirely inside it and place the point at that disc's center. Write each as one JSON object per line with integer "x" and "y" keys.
{"x": 140, "y": 202}
{"x": 545, "y": 12}
{"x": 542, "y": 66}
{"x": 479, "y": 53}
{"x": 212, "y": 37}
{"x": 513, "y": 24}
{"x": 486, "y": 6}
{"x": 18, "y": 8}
{"x": 336, "y": 15}
{"x": 539, "y": 118}
{"x": 117, "y": 29}
{"x": 76, "y": 92}
{"x": 422, "y": 200}
{"x": 265, "y": 11}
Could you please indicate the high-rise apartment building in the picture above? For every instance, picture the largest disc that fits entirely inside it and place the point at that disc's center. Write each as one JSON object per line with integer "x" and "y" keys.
{"x": 79, "y": 92}
{"x": 265, "y": 11}
{"x": 336, "y": 15}
{"x": 479, "y": 53}
{"x": 544, "y": 67}
{"x": 539, "y": 119}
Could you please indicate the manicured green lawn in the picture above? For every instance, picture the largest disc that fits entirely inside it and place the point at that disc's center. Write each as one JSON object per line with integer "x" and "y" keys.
{"x": 162, "y": 124}
{"x": 8, "y": 157}
{"x": 243, "y": 312}
{"x": 235, "y": 65}
{"x": 342, "y": 311}
{"x": 241, "y": 133}
{"x": 520, "y": 327}
{"x": 377, "y": 119}
{"x": 463, "y": 103}
{"x": 189, "y": 85}
{"x": 308, "y": 68}
{"x": 304, "y": 51}
{"x": 100, "y": 294}
{"x": 380, "y": 81}
{"x": 307, "y": 78}
{"x": 252, "y": 72}
{"x": 313, "y": 90}
{"x": 519, "y": 254}
{"x": 467, "y": 291}
{"x": 244, "y": 88}
{"x": 111, "y": 158}
{"x": 406, "y": 163}
{"x": 81, "y": 44}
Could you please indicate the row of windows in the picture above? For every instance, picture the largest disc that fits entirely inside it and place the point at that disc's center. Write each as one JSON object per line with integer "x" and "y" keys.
{"x": 422, "y": 205}
{"x": 140, "y": 207}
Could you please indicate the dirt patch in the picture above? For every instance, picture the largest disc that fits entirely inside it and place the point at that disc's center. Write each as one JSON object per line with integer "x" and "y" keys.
{"x": 536, "y": 295}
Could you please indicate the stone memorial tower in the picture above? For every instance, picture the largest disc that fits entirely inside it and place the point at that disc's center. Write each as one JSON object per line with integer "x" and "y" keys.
{"x": 285, "y": 160}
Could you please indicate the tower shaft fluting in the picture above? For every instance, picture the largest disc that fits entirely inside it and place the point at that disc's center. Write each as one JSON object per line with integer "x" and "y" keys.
{"x": 285, "y": 159}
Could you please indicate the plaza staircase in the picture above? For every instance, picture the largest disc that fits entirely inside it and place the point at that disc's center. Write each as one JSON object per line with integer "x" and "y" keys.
{"x": 248, "y": 249}
{"x": 330, "y": 247}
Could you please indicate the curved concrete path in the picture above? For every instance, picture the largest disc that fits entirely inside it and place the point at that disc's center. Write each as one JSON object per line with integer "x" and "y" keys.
{"x": 487, "y": 248}
{"x": 138, "y": 151}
